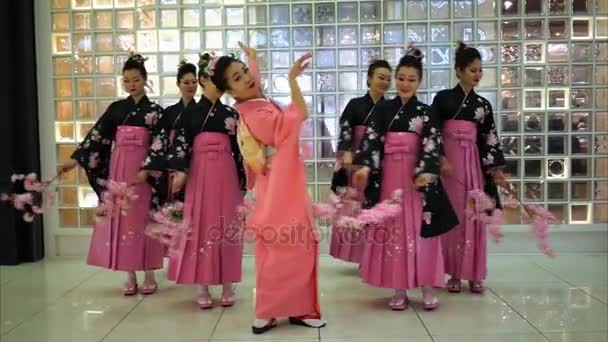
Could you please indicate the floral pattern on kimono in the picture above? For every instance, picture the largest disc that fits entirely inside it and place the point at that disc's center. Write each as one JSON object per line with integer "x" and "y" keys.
{"x": 414, "y": 117}
{"x": 205, "y": 116}
{"x": 94, "y": 152}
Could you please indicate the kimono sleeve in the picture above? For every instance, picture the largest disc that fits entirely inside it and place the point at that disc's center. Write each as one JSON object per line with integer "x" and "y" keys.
{"x": 273, "y": 127}
{"x": 431, "y": 143}
{"x": 94, "y": 152}
{"x": 345, "y": 139}
{"x": 238, "y": 157}
{"x": 489, "y": 147}
{"x": 372, "y": 146}
{"x": 180, "y": 154}
{"x": 156, "y": 160}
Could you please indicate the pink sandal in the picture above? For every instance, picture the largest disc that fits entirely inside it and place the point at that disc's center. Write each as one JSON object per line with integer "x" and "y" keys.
{"x": 454, "y": 286}
{"x": 476, "y": 287}
{"x": 396, "y": 304}
{"x": 149, "y": 288}
{"x": 129, "y": 289}
{"x": 228, "y": 299}
{"x": 430, "y": 301}
{"x": 204, "y": 301}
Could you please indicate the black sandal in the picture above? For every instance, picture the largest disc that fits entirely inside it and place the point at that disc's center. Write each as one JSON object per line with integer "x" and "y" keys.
{"x": 269, "y": 326}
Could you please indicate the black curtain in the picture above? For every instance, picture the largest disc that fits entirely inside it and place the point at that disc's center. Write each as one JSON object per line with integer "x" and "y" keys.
{"x": 19, "y": 139}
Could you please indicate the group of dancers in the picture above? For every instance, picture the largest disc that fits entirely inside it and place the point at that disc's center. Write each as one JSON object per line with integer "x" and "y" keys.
{"x": 208, "y": 155}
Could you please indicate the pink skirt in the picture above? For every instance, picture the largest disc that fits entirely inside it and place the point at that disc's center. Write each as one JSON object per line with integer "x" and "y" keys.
{"x": 464, "y": 246}
{"x": 213, "y": 254}
{"x": 347, "y": 245}
{"x": 395, "y": 254}
{"x": 119, "y": 243}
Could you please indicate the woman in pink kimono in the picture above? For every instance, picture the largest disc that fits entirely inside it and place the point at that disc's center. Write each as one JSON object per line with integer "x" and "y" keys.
{"x": 206, "y": 161}
{"x": 347, "y": 245}
{"x": 117, "y": 148}
{"x": 401, "y": 151}
{"x": 286, "y": 240}
{"x": 473, "y": 161}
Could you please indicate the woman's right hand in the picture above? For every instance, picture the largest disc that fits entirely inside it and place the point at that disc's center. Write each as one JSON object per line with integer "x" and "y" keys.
{"x": 360, "y": 177}
{"x": 347, "y": 159}
{"x": 446, "y": 169}
{"x": 179, "y": 181}
{"x": 68, "y": 166}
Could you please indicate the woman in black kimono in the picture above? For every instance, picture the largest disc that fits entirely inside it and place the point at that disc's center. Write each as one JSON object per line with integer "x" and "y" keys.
{"x": 473, "y": 162}
{"x": 207, "y": 161}
{"x": 347, "y": 245}
{"x": 401, "y": 151}
{"x": 115, "y": 149}
{"x": 187, "y": 84}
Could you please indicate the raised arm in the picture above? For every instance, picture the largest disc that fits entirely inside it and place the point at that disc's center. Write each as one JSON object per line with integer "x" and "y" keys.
{"x": 297, "y": 99}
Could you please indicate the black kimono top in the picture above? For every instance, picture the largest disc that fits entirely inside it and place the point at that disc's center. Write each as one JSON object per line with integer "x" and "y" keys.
{"x": 94, "y": 152}
{"x": 220, "y": 119}
{"x": 171, "y": 116}
{"x": 447, "y": 105}
{"x": 415, "y": 117}
{"x": 357, "y": 112}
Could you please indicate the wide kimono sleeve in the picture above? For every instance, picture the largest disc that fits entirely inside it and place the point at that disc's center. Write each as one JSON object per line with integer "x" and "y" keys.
{"x": 180, "y": 154}
{"x": 271, "y": 126}
{"x": 487, "y": 142}
{"x": 371, "y": 153}
{"x": 156, "y": 160}
{"x": 490, "y": 152}
{"x": 431, "y": 143}
{"x": 94, "y": 152}
{"x": 236, "y": 154}
{"x": 372, "y": 146}
{"x": 345, "y": 137}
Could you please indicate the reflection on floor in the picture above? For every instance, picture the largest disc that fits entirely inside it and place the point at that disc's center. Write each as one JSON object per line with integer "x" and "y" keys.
{"x": 530, "y": 299}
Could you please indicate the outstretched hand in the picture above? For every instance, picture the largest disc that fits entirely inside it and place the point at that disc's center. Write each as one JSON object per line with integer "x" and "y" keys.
{"x": 249, "y": 52}
{"x": 300, "y": 65}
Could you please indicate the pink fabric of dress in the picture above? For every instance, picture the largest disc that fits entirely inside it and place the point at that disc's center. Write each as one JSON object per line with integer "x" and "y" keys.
{"x": 213, "y": 253}
{"x": 347, "y": 245}
{"x": 286, "y": 241}
{"x": 119, "y": 243}
{"x": 395, "y": 255}
{"x": 464, "y": 246}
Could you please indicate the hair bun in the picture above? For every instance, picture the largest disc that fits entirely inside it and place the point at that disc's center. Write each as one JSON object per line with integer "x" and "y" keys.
{"x": 411, "y": 51}
{"x": 461, "y": 46}
{"x": 182, "y": 63}
{"x": 203, "y": 60}
{"x": 136, "y": 57}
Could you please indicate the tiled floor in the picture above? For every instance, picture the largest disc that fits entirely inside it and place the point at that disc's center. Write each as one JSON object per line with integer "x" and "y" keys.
{"x": 531, "y": 299}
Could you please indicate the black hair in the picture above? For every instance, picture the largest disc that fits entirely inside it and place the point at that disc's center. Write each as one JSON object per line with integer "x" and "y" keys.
{"x": 184, "y": 69}
{"x": 379, "y": 63}
{"x": 203, "y": 62}
{"x": 412, "y": 59}
{"x": 136, "y": 62}
{"x": 465, "y": 56}
{"x": 218, "y": 76}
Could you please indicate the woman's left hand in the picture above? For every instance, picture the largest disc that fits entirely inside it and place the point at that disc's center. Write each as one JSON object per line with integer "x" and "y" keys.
{"x": 249, "y": 52}
{"x": 423, "y": 179}
{"x": 499, "y": 178}
{"x": 142, "y": 177}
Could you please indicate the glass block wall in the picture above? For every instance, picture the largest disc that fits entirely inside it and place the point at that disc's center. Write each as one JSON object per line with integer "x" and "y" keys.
{"x": 545, "y": 66}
